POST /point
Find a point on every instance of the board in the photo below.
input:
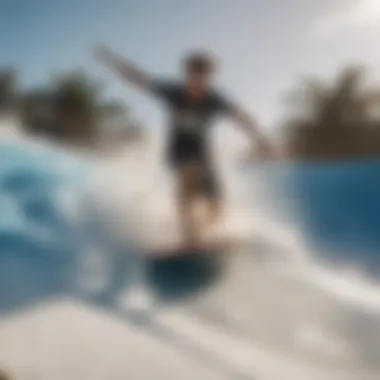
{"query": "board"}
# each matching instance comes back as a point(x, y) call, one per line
point(199, 249)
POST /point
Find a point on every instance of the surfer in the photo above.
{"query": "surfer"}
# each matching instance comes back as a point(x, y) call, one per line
point(192, 104)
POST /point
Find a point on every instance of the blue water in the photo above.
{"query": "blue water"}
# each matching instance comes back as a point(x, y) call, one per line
point(40, 245)
point(339, 209)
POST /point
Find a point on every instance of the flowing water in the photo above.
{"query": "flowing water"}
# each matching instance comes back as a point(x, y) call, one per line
point(300, 298)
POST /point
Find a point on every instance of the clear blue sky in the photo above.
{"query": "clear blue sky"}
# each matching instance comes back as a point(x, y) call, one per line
point(264, 45)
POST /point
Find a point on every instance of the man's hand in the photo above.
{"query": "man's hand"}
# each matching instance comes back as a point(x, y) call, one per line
point(102, 53)
point(263, 149)
point(260, 151)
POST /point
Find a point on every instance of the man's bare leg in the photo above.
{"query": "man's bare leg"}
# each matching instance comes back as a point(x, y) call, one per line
point(187, 197)
point(212, 212)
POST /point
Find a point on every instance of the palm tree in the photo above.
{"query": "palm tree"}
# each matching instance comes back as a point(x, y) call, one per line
point(71, 108)
point(78, 101)
point(37, 113)
point(334, 121)
point(82, 108)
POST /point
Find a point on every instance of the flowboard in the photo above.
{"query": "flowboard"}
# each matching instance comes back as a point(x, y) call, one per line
point(199, 249)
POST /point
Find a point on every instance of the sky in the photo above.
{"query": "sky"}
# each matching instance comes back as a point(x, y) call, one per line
point(265, 47)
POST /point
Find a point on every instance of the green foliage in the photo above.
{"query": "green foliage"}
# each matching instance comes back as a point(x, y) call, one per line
point(8, 87)
point(77, 94)
point(70, 107)
point(334, 121)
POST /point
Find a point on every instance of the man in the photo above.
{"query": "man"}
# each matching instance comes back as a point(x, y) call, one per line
point(192, 104)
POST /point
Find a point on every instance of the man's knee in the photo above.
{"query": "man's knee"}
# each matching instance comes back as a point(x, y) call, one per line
point(188, 178)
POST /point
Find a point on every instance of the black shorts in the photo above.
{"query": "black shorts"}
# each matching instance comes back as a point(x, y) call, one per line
point(184, 151)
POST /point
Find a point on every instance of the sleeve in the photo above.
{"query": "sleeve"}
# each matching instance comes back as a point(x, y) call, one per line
point(224, 105)
point(163, 89)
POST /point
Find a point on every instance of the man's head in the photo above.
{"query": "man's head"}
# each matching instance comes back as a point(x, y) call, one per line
point(199, 69)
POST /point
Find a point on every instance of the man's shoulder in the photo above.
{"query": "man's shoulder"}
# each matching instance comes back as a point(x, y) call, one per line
point(170, 83)
point(220, 101)
point(168, 88)
point(217, 93)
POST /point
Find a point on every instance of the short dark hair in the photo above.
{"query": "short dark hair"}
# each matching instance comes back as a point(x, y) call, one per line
point(199, 61)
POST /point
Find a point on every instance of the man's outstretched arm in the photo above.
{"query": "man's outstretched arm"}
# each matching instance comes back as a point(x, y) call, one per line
point(249, 126)
point(125, 69)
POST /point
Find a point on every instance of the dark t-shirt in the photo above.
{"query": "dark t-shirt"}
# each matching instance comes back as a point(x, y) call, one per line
point(190, 119)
